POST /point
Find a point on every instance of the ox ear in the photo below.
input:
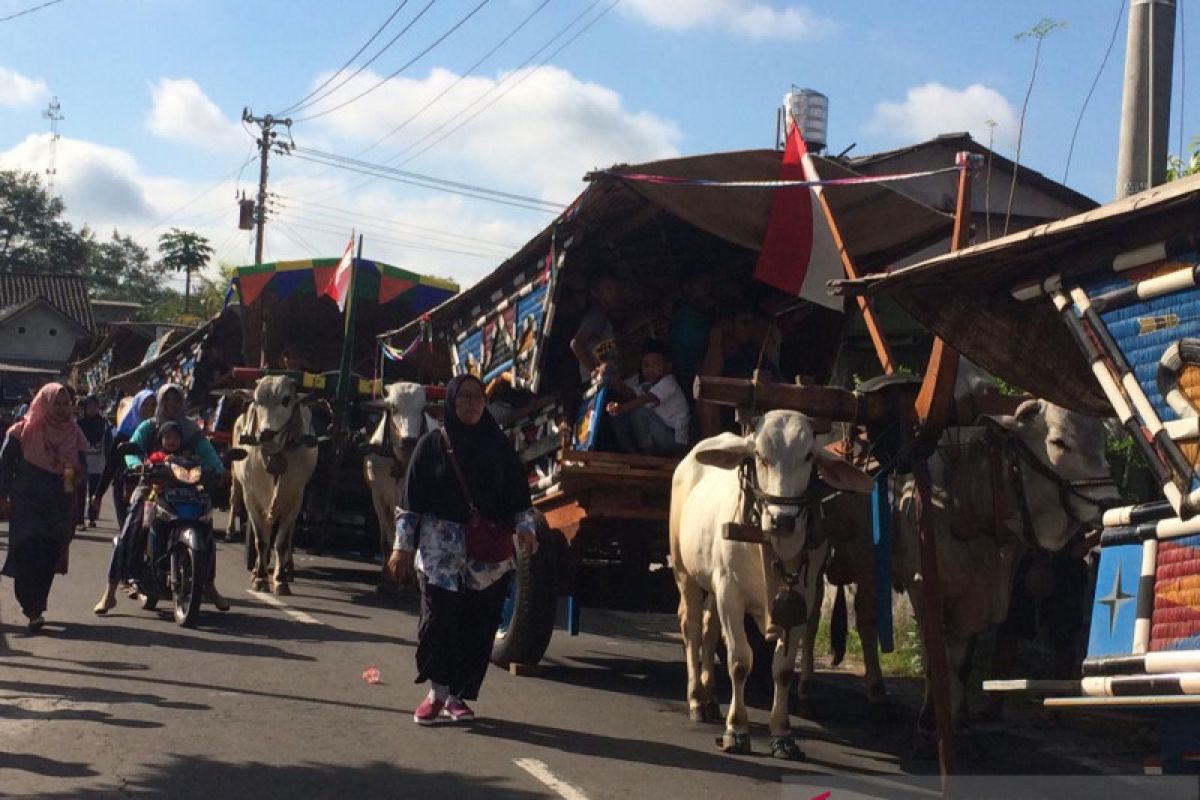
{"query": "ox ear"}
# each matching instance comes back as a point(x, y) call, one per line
point(1024, 413)
point(725, 451)
point(841, 474)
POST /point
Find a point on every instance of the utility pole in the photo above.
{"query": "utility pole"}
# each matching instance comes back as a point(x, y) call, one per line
point(1146, 100)
point(266, 140)
point(53, 113)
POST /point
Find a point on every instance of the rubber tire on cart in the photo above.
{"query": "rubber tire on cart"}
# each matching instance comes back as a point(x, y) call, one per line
point(527, 622)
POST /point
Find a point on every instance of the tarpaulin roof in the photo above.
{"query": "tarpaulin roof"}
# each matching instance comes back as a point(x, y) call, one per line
point(375, 281)
point(964, 297)
point(878, 223)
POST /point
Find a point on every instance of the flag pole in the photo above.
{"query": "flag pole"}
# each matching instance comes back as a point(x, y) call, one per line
point(341, 399)
point(882, 351)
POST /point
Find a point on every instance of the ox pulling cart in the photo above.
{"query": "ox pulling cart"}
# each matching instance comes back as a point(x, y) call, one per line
point(1099, 312)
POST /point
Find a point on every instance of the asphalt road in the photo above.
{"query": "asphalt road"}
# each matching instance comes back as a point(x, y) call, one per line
point(268, 701)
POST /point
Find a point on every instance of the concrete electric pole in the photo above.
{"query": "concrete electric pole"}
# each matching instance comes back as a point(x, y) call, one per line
point(1146, 101)
point(266, 140)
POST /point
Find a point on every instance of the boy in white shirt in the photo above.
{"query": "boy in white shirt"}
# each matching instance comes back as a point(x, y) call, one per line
point(652, 416)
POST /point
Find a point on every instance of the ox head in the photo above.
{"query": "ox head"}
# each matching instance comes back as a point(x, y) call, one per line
point(779, 455)
point(1065, 474)
point(404, 407)
point(280, 417)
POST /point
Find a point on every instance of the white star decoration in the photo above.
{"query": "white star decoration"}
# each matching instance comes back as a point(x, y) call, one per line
point(1114, 600)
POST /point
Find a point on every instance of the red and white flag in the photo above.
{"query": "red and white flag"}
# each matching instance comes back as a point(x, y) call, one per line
point(339, 285)
point(799, 253)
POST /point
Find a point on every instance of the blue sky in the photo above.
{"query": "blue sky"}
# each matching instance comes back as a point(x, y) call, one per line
point(152, 90)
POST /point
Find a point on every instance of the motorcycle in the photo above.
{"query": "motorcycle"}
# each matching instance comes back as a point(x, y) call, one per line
point(179, 554)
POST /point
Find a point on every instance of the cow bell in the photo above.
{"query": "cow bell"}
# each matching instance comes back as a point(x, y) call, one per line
point(277, 464)
point(788, 609)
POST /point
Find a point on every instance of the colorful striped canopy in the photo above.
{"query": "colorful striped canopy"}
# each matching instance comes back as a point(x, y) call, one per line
point(374, 281)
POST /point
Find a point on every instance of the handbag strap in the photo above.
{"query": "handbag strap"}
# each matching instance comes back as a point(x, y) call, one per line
point(462, 482)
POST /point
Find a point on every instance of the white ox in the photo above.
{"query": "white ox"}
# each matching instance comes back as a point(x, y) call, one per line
point(276, 432)
point(389, 450)
point(739, 578)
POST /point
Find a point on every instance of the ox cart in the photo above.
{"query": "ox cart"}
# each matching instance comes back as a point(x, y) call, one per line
point(607, 511)
point(1098, 312)
point(290, 325)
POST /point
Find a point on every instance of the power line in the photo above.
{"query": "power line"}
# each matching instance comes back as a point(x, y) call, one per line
point(286, 201)
point(1096, 80)
point(515, 84)
point(397, 236)
point(328, 227)
point(426, 181)
point(370, 60)
point(350, 61)
point(411, 61)
point(29, 10)
point(195, 199)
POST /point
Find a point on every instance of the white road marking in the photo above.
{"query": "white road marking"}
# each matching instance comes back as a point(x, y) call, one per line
point(539, 770)
point(272, 600)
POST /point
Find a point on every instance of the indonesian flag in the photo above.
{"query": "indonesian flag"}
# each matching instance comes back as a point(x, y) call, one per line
point(339, 285)
point(799, 253)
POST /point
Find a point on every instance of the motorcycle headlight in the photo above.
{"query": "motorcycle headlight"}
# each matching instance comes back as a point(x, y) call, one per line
point(188, 475)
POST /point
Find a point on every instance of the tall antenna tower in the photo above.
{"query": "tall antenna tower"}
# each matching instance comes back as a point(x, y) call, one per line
point(53, 113)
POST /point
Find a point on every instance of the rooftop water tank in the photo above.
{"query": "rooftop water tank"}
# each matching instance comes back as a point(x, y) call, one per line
point(810, 110)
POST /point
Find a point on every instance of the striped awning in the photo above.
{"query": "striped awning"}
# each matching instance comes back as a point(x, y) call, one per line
point(374, 281)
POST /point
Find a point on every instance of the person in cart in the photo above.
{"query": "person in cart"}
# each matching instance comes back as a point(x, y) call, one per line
point(650, 415)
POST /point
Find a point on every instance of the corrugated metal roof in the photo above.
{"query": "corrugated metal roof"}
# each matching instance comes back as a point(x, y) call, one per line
point(66, 292)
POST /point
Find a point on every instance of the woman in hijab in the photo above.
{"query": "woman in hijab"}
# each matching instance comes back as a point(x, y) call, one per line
point(99, 437)
point(146, 438)
point(143, 407)
point(461, 597)
point(41, 460)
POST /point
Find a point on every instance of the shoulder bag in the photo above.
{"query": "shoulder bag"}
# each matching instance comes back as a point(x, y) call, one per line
point(487, 541)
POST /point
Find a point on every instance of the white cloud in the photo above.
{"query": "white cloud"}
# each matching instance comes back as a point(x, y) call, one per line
point(16, 90)
point(744, 17)
point(182, 112)
point(934, 109)
point(540, 139)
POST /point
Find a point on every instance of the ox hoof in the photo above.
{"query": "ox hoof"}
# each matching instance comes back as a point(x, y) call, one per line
point(281, 587)
point(736, 742)
point(785, 747)
point(881, 711)
point(708, 711)
point(258, 584)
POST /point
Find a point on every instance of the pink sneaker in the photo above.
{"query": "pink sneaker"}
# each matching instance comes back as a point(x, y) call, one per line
point(457, 710)
point(427, 713)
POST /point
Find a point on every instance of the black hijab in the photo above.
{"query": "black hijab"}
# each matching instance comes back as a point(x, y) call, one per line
point(496, 479)
point(93, 427)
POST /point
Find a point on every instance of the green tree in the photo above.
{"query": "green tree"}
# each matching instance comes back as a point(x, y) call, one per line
point(183, 251)
point(33, 235)
point(120, 269)
point(1178, 167)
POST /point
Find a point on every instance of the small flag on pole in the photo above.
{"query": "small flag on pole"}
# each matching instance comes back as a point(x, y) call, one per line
point(799, 253)
point(339, 285)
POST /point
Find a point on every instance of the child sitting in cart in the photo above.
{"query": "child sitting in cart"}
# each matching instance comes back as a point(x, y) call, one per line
point(650, 415)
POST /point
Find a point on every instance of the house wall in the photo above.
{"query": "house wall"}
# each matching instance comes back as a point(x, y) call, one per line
point(39, 335)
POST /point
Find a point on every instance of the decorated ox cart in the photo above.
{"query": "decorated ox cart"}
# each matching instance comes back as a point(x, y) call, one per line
point(292, 325)
point(1098, 312)
point(654, 228)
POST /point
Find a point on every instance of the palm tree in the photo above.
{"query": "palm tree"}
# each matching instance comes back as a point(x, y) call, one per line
point(184, 251)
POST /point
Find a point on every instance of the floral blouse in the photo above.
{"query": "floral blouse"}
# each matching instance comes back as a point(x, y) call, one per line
point(442, 551)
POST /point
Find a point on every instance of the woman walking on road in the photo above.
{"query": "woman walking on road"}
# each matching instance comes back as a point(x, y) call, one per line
point(41, 466)
point(99, 437)
point(459, 537)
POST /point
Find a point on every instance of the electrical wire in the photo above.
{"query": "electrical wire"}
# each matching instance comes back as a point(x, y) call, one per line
point(524, 77)
point(369, 61)
point(29, 10)
point(349, 61)
point(296, 238)
point(198, 197)
point(1103, 63)
point(426, 181)
point(408, 64)
point(466, 74)
point(327, 227)
point(286, 202)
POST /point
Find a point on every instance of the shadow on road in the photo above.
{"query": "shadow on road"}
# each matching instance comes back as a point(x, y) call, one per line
point(206, 778)
point(26, 762)
point(92, 694)
point(160, 633)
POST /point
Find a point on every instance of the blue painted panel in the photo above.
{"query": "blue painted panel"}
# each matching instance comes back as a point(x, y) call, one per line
point(1114, 607)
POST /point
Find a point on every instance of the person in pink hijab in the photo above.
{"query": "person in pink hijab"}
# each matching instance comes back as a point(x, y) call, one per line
point(41, 464)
